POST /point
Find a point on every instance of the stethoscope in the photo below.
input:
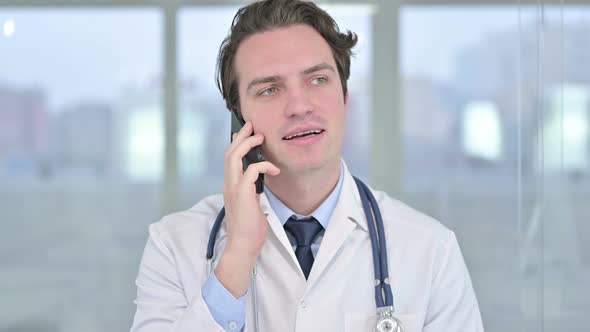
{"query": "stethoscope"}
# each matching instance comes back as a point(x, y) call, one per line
point(386, 321)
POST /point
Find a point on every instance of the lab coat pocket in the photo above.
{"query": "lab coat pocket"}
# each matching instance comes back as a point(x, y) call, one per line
point(362, 322)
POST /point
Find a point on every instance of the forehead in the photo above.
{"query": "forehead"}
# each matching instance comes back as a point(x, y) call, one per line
point(282, 51)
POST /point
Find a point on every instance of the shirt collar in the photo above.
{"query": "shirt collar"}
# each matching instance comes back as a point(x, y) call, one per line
point(322, 214)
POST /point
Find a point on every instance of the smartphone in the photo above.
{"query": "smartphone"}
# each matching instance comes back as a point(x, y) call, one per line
point(254, 155)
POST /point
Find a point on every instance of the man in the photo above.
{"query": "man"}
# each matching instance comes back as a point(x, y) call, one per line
point(284, 68)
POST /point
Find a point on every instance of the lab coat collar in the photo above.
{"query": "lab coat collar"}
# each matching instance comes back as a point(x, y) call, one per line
point(349, 200)
point(322, 214)
point(346, 216)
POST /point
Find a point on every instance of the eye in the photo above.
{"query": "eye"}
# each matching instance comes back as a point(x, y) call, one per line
point(319, 80)
point(268, 91)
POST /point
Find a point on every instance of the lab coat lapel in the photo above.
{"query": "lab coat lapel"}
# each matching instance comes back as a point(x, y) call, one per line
point(346, 216)
point(278, 231)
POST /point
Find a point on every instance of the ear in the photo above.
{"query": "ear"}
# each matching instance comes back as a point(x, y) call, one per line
point(346, 98)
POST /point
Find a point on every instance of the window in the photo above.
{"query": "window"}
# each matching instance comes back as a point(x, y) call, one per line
point(496, 145)
point(80, 163)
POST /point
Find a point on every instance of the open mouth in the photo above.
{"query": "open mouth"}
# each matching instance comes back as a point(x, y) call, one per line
point(304, 134)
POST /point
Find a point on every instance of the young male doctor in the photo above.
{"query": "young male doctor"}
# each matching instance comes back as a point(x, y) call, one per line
point(284, 66)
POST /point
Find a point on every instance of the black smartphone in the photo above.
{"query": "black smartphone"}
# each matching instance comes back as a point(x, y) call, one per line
point(254, 155)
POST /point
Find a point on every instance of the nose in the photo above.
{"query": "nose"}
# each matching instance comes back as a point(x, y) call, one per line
point(299, 102)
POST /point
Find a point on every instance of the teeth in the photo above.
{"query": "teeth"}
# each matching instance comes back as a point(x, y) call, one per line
point(303, 134)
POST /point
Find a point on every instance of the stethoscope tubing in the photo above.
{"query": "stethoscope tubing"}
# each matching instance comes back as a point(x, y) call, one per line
point(383, 292)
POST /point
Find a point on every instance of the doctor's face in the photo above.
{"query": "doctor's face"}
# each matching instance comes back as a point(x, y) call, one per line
point(290, 89)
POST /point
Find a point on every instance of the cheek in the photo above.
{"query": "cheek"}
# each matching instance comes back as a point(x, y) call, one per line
point(333, 107)
point(264, 122)
point(256, 113)
point(331, 98)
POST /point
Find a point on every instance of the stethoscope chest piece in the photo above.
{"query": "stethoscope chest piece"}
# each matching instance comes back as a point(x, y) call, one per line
point(386, 322)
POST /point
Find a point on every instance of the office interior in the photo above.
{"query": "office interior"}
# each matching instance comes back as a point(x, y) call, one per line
point(475, 112)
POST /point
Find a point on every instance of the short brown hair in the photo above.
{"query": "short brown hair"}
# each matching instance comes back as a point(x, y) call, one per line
point(266, 15)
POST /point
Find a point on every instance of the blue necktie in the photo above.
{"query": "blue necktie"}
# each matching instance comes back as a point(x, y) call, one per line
point(304, 231)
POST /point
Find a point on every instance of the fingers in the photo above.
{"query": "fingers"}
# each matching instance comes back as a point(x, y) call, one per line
point(264, 167)
point(233, 160)
point(233, 168)
point(245, 146)
point(238, 137)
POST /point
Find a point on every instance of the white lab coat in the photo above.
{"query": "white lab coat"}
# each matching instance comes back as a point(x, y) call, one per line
point(431, 286)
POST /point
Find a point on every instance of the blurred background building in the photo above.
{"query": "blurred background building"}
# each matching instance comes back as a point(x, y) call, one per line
point(476, 112)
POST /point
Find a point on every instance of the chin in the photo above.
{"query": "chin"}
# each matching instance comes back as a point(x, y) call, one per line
point(303, 164)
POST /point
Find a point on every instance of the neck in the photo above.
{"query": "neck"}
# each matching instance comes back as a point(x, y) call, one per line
point(304, 192)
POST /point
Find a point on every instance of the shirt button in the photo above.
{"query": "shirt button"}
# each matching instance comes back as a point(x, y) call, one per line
point(233, 325)
point(302, 305)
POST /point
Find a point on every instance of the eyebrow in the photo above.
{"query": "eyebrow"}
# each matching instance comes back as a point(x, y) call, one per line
point(276, 78)
point(262, 80)
point(319, 67)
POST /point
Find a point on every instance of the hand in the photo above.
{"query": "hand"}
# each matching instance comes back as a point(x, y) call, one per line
point(246, 223)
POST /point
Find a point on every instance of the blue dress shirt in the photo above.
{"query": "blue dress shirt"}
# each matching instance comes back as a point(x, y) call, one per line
point(230, 312)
